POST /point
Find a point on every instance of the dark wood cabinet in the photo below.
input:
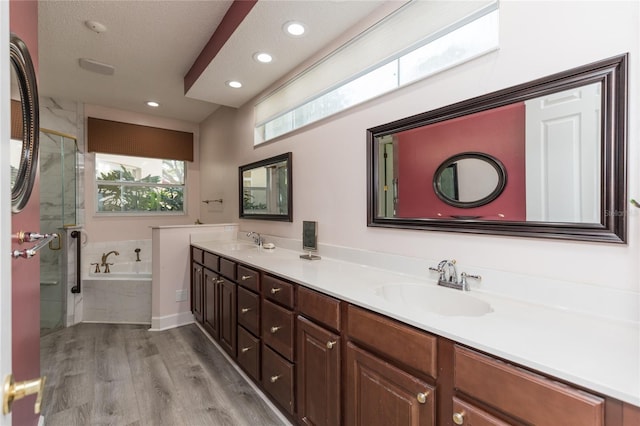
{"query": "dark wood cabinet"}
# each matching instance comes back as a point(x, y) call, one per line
point(197, 291)
point(211, 303)
point(277, 378)
point(228, 321)
point(318, 374)
point(249, 353)
point(378, 393)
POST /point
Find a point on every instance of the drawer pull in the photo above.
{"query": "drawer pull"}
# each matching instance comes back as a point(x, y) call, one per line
point(244, 310)
point(218, 281)
point(274, 379)
point(331, 344)
point(245, 350)
point(422, 397)
point(275, 290)
point(246, 277)
point(458, 418)
point(274, 329)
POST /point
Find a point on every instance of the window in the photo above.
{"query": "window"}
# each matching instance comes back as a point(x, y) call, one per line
point(461, 39)
point(138, 185)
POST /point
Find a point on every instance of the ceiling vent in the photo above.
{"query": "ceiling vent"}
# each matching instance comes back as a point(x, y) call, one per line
point(95, 66)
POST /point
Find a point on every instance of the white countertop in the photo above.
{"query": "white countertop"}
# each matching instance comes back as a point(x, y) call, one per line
point(598, 354)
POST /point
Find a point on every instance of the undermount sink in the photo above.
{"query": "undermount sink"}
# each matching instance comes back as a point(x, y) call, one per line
point(438, 300)
point(240, 246)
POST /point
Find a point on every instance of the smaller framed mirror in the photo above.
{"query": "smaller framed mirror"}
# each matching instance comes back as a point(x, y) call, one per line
point(25, 124)
point(266, 190)
point(470, 179)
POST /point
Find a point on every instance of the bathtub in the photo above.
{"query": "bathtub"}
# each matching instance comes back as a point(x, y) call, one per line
point(123, 296)
point(123, 271)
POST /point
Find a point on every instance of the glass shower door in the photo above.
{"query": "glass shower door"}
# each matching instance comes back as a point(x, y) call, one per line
point(58, 185)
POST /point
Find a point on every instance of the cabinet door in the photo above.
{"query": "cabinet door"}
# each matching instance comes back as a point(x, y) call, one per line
point(381, 394)
point(318, 364)
point(228, 321)
point(197, 290)
point(211, 304)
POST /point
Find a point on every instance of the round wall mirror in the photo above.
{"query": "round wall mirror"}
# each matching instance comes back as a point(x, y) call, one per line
point(470, 179)
point(25, 124)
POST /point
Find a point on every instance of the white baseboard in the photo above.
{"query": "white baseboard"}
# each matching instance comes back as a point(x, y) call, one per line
point(171, 321)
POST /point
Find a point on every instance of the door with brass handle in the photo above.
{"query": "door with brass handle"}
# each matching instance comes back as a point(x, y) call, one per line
point(13, 391)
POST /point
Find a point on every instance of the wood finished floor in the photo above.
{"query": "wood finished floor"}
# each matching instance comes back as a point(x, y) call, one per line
point(106, 374)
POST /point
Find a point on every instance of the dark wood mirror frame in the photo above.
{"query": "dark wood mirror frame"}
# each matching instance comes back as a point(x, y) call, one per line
point(285, 217)
point(612, 74)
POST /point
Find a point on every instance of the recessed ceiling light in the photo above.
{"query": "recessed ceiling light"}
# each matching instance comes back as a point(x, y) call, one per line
point(293, 28)
point(234, 84)
point(263, 57)
point(153, 104)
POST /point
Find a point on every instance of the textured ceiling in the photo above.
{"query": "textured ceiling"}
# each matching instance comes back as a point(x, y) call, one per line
point(152, 45)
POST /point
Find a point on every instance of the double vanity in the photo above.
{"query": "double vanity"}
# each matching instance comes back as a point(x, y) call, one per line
point(332, 342)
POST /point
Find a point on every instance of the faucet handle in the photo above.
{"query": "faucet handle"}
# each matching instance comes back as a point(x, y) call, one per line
point(463, 279)
point(97, 270)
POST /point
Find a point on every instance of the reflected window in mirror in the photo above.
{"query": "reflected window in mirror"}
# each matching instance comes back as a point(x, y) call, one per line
point(265, 189)
point(553, 151)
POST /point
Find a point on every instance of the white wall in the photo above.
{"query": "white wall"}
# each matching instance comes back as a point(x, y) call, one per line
point(138, 227)
point(329, 167)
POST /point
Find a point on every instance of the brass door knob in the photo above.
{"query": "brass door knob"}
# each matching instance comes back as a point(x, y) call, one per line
point(275, 290)
point(274, 329)
point(422, 397)
point(331, 344)
point(244, 350)
point(458, 418)
point(245, 277)
point(244, 310)
point(13, 391)
point(274, 379)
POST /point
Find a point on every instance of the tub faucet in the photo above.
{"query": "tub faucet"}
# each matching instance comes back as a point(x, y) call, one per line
point(104, 260)
point(256, 238)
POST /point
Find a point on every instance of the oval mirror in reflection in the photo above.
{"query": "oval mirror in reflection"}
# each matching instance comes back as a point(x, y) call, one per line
point(25, 124)
point(470, 179)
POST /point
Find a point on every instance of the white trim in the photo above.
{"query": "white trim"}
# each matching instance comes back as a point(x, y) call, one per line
point(171, 321)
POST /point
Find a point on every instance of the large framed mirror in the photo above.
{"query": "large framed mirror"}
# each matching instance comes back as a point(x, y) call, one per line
point(542, 159)
point(266, 190)
point(25, 125)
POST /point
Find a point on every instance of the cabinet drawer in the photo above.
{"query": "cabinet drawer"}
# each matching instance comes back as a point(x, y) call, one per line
point(277, 290)
point(277, 328)
point(249, 278)
point(249, 353)
point(211, 261)
point(196, 254)
point(277, 378)
point(228, 268)
point(519, 393)
point(249, 310)
point(468, 414)
point(415, 349)
point(319, 307)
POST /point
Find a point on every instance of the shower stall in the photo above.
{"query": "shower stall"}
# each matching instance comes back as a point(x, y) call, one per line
point(58, 207)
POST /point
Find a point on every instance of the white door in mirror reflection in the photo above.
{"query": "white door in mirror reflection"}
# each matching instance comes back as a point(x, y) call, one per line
point(563, 156)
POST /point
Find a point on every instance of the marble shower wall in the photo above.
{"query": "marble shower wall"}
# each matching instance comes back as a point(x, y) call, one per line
point(62, 205)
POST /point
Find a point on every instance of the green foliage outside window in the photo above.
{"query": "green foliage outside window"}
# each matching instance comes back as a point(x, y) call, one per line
point(137, 195)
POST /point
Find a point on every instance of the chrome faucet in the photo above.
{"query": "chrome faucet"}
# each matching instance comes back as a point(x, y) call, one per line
point(104, 260)
point(449, 275)
point(256, 238)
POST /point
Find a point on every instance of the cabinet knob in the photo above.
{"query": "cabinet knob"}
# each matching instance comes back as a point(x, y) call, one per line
point(245, 350)
point(331, 344)
point(244, 310)
point(422, 397)
point(458, 418)
point(275, 290)
point(274, 379)
point(245, 277)
point(218, 281)
point(274, 329)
